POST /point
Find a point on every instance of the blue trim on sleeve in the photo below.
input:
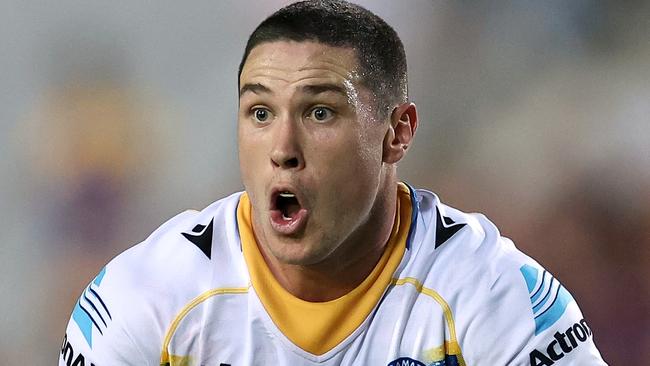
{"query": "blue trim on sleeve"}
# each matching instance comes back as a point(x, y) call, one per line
point(560, 298)
point(85, 318)
point(545, 298)
point(100, 277)
point(539, 291)
point(530, 276)
point(84, 323)
point(554, 312)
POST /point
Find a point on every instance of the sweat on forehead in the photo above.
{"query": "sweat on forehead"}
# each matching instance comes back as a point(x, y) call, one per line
point(306, 68)
point(381, 56)
point(295, 60)
point(309, 68)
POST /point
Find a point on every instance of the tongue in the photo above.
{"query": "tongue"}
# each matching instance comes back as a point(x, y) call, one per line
point(289, 208)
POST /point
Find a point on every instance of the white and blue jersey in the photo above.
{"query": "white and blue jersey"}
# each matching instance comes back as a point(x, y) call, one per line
point(448, 290)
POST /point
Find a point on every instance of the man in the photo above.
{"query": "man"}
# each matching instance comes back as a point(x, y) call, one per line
point(326, 259)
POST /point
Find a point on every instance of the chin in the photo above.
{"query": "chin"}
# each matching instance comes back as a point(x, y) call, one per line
point(296, 252)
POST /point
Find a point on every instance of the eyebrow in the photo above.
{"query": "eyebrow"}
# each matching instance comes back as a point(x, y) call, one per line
point(254, 88)
point(315, 89)
point(324, 88)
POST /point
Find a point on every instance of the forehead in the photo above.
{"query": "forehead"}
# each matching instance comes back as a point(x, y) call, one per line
point(294, 62)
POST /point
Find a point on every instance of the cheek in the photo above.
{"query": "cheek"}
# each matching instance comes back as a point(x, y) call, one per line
point(248, 160)
point(361, 154)
point(353, 145)
point(348, 165)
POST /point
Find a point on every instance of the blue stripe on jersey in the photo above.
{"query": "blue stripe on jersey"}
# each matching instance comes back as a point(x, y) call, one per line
point(100, 276)
point(84, 323)
point(101, 301)
point(559, 298)
point(547, 295)
point(85, 296)
point(554, 312)
point(83, 317)
point(530, 276)
point(539, 291)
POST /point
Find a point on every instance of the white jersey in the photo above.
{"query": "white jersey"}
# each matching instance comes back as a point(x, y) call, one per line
point(449, 290)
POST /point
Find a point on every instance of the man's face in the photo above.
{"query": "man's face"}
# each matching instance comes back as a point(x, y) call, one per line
point(310, 149)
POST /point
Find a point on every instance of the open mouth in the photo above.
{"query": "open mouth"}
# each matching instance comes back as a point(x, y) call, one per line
point(288, 215)
point(288, 205)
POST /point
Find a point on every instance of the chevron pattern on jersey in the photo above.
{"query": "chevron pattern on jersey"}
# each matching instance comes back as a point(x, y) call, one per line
point(91, 311)
point(548, 298)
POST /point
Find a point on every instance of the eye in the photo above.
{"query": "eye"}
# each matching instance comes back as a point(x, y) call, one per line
point(321, 114)
point(261, 115)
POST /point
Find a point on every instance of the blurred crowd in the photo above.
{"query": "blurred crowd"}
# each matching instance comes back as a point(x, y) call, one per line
point(117, 117)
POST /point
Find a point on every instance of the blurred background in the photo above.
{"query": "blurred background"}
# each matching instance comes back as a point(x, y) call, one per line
point(115, 116)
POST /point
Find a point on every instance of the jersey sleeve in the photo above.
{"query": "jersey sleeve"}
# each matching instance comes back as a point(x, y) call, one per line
point(98, 330)
point(122, 317)
point(528, 318)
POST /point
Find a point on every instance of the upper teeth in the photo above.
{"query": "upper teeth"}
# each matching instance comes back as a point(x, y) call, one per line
point(287, 195)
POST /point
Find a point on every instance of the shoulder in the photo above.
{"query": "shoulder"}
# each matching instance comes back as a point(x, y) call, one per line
point(135, 297)
point(179, 258)
point(464, 258)
point(443, 237)
point(183, 251)
point(500, 297)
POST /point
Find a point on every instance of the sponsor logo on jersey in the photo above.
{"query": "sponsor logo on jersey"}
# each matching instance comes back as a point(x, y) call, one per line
point(548, 298)
point(68, 354)
point(201, 236)
point(445, 228)
point(561, 344)
point(406, 361)
point(91, 312)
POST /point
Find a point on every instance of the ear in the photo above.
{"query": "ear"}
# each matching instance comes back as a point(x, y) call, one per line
point(398, 138)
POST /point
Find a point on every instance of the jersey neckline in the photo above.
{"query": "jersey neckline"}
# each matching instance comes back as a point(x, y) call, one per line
point(318, 327)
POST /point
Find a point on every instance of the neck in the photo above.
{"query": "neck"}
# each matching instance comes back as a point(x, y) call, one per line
point(349, 264)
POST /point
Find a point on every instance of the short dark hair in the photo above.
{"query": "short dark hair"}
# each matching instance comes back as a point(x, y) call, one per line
point(379, 50)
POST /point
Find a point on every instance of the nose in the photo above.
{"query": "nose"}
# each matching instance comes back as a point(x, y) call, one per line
point(286, 151)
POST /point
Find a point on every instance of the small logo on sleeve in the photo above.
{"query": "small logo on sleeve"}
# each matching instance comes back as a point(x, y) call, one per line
point(561, 344)
point(91, 311)
point(68, 355)
point(548, 298)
